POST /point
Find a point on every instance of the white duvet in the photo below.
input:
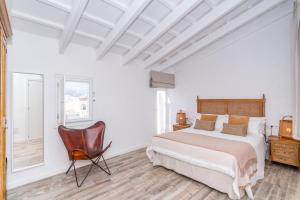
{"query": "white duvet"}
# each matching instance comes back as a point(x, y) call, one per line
point(210, 159)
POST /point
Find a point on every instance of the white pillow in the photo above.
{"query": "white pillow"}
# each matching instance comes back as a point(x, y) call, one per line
point(219, 123)
point(256, 125)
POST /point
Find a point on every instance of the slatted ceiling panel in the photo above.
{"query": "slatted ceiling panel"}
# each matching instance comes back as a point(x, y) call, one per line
point(104, 11)
point(200, 11)
point(141, 27)
point(128, 40)
point(200, 36)
point(181, 26)
point(35, 28)
point(118, 50)
point(156, 11)
point(39, 10)
point(85, 41)
point(92, 28)
point(254, 2)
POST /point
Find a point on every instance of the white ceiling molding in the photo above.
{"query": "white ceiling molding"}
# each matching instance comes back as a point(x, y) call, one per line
point(244, 18)
point(117, 4)
point(174, 17)
point(87, 16)
point(50, 24)
point(211, 17)
point(169, 4)
point(129, 16)
point(57, 4)
point(148, 20)
point(73, 20)
point(30, 18)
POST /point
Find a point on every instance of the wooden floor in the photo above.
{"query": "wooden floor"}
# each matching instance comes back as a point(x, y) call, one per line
point(28, 153)
point(134, 177)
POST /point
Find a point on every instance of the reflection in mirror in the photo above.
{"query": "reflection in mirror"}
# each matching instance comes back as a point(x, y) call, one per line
point(28, 120)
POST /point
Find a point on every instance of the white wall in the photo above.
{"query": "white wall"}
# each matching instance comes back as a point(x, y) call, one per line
point(123, 99)
point(254, 60)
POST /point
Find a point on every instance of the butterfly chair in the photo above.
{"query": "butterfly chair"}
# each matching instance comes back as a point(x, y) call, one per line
point(85, 144)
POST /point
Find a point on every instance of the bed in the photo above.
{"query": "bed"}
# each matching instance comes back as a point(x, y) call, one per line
point(186, 152)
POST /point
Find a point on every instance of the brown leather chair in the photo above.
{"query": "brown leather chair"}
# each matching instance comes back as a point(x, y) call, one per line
point(85, 144)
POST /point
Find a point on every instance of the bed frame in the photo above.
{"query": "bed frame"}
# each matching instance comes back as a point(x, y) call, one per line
point(246, 107)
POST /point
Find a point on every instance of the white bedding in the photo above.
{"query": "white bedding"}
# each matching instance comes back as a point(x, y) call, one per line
point(210, 159)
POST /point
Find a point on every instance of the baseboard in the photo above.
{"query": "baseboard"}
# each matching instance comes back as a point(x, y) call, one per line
point(17, 183)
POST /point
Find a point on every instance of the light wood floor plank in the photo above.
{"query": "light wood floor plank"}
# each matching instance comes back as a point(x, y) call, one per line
point(134, 177)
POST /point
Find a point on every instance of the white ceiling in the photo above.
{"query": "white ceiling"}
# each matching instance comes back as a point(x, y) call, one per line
point(156, 32)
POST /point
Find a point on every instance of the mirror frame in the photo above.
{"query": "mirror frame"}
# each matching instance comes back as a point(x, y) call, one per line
point(12, 123)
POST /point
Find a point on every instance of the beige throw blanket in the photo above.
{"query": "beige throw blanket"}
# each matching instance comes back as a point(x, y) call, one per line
point(243, 152)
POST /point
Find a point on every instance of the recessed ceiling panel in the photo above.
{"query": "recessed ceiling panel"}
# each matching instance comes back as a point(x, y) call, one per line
point(166, 38)
point(176, 2)
point(153, 48)
point(156, 10)
point(118, 50)
point(140, 27)
point(40, 10)
point(181, 26)
point(35, 28)
point(104, 11)
point(200, 11)
point(92, 28)
point(143, 56)
point(128, 40)
point(85, 41)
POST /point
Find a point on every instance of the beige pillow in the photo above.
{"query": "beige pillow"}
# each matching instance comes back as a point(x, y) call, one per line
point(236, 119)
point(205, 125)
point(235, 129)
point(209, 117)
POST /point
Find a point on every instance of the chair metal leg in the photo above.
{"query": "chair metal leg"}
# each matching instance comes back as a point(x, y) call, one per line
point(94, 162)
point(73, 162)
point(106, 165)
point(79, 185)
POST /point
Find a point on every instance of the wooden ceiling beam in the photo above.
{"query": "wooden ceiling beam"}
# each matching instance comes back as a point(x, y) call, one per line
point(244, 18)
point(211, 17)
point(71, 25)
point(174, 17)
point(122, 25)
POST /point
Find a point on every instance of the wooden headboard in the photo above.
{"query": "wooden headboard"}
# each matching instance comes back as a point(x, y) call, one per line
point(246, 107)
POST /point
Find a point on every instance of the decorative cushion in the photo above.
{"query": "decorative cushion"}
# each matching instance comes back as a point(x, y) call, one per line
point(204, 125)
point(235, 129)
point(238, 120)
point(209, 117)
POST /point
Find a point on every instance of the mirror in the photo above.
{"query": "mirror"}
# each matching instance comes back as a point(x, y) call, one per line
point(28, 120)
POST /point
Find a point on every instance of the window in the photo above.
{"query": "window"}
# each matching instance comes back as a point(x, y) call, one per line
point(75, 99)
point(162, 104)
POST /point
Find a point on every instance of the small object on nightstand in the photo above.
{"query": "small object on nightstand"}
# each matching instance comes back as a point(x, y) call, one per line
point(286, 127)
point(284, 151)
point(181, 118)
point(177, 127)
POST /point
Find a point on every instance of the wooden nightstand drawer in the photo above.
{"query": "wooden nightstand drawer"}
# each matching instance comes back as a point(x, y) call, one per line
point(285, 151)
point(286, 160)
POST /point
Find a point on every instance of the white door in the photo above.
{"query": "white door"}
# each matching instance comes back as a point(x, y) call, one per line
point(35, 109)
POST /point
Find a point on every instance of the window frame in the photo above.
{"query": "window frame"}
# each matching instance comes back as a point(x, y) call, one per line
point(61, 83)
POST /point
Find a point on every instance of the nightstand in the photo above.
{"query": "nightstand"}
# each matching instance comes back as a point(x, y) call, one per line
point(177, 127)
point(285, 151)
